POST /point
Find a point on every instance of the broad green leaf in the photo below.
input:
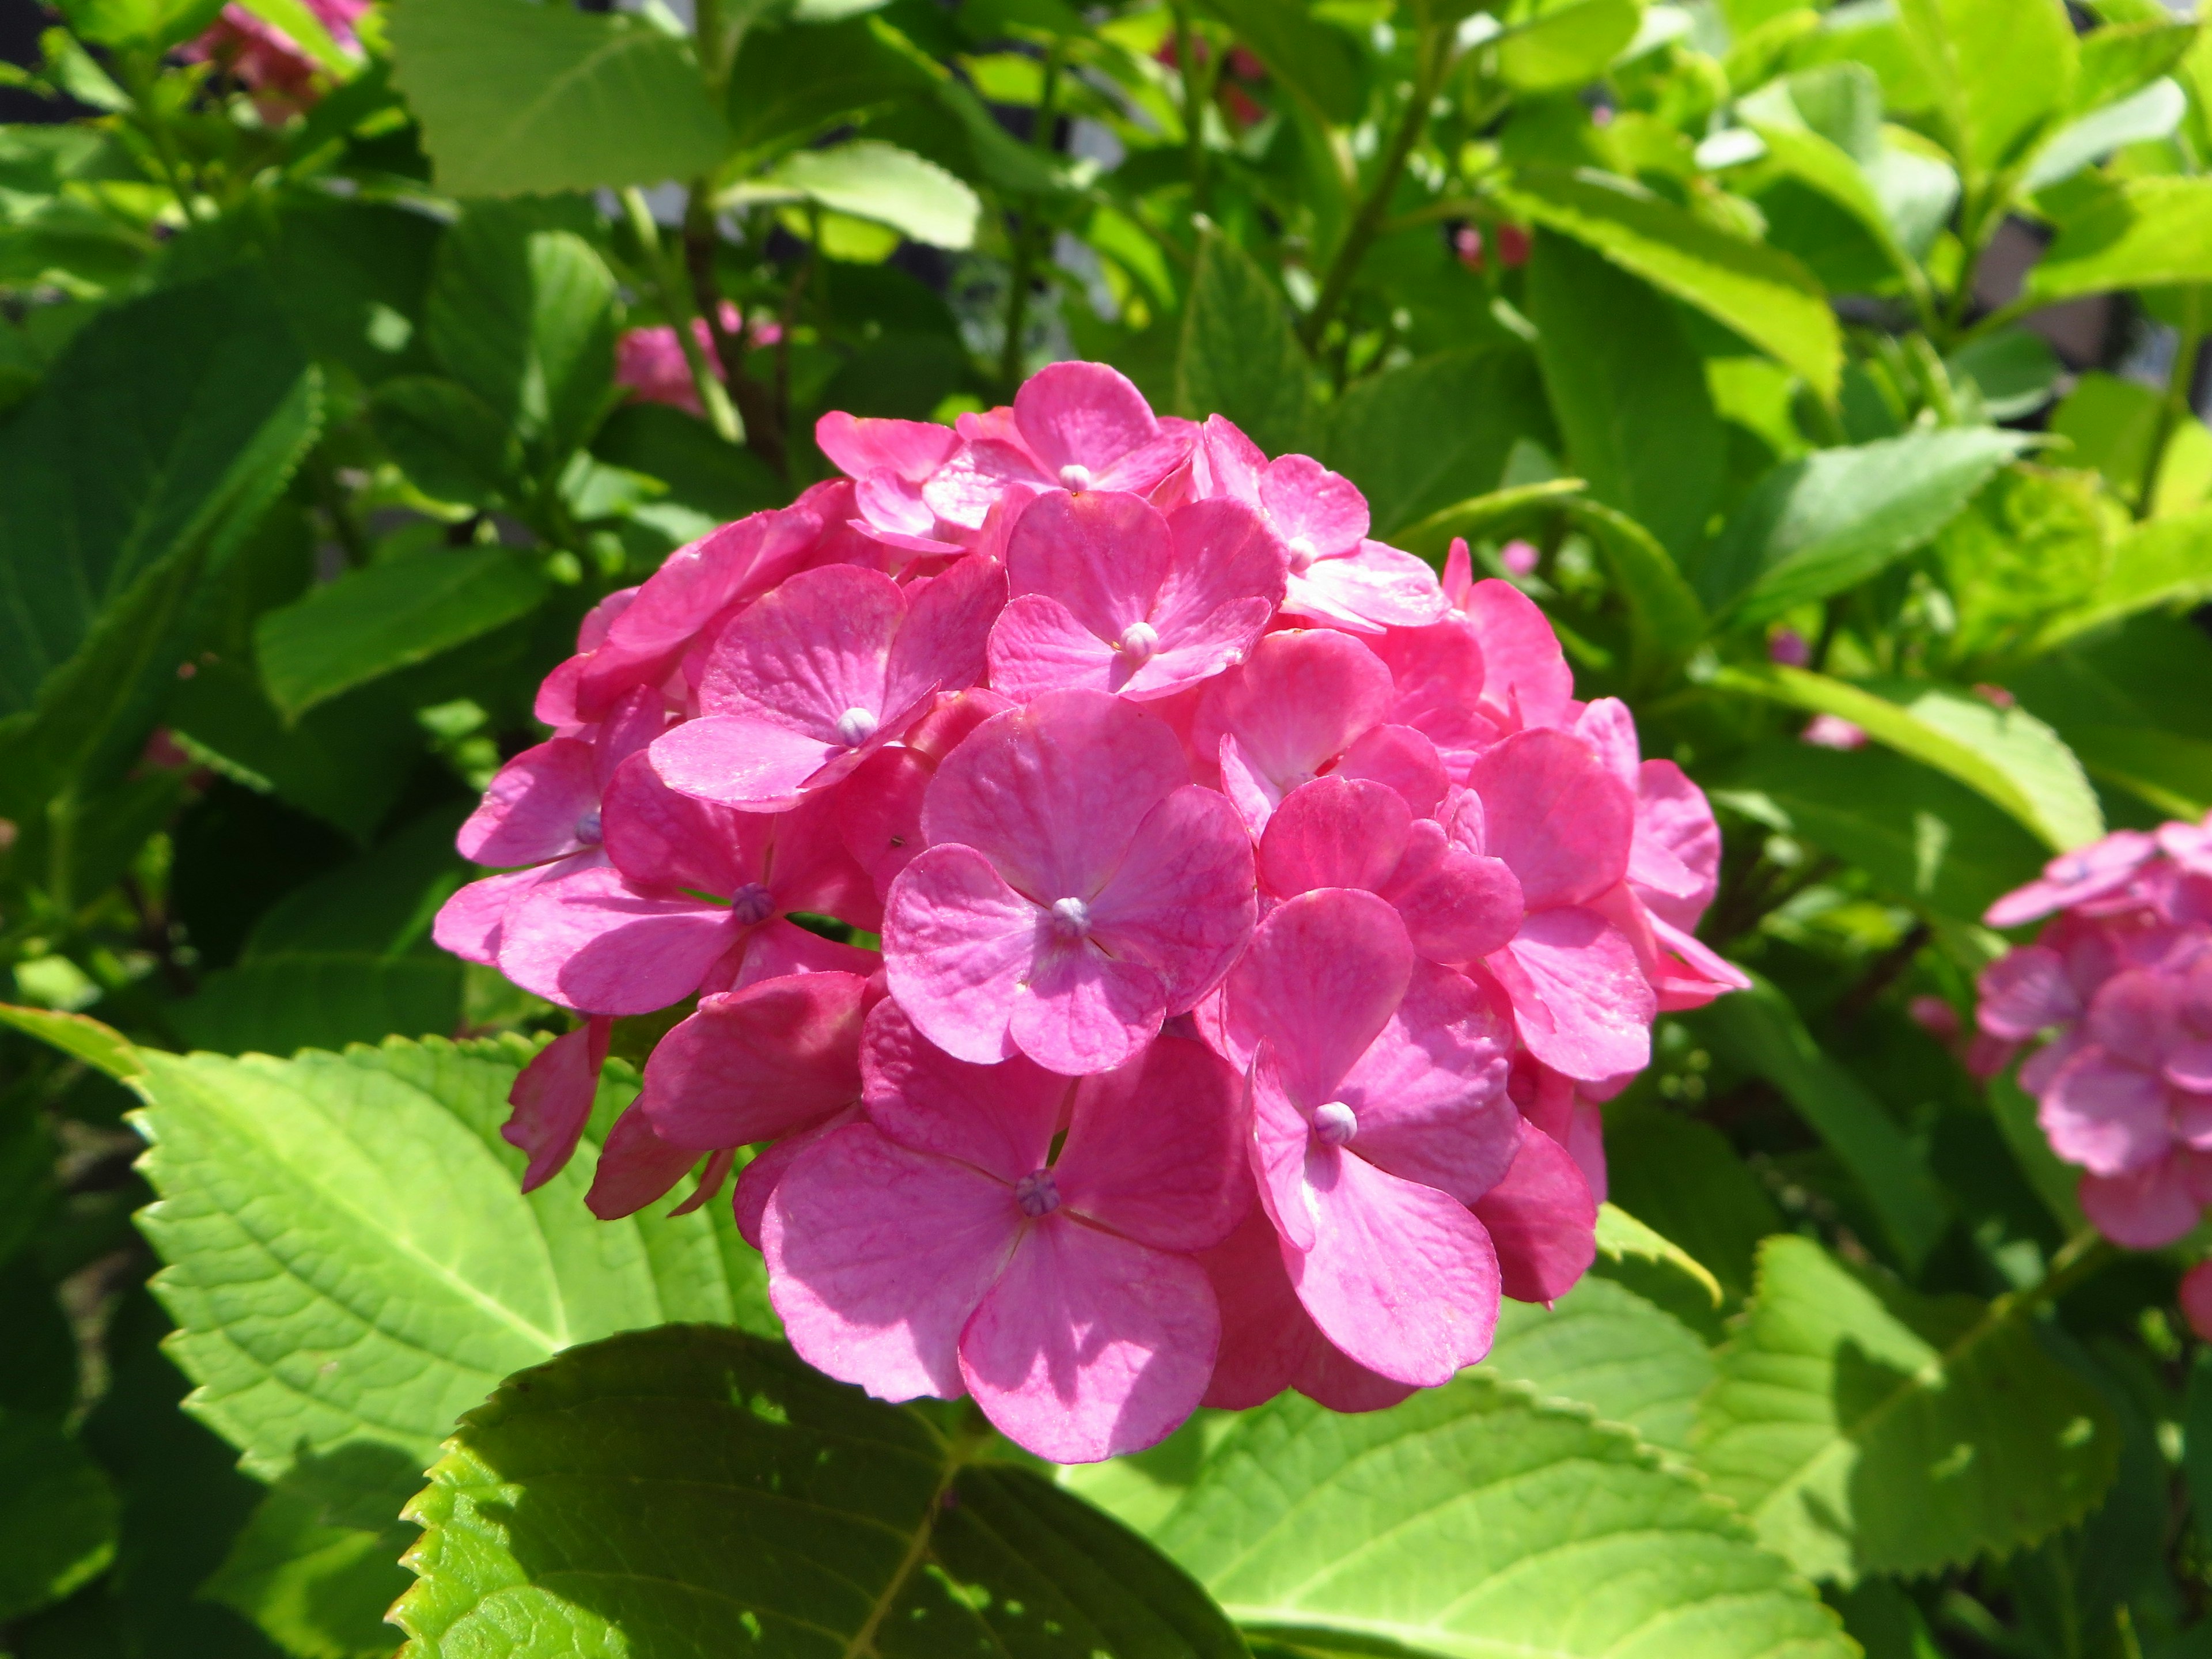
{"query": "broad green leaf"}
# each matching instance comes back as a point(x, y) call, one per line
point(1764, 296)
point(2174, 774)
point(792, 83)
point(2121, 59)
point(1827, 522)
point(1761, 1032)
point(316, 1587)
point(1864, 1429)
point(300, 24)
point(1313, 61)
point(385, 616)
point(1239, 356)
point(1480, 516)
point(1604, 1346)
point(163, 432)
point(339, 1305)
point(157, 23)
point(2056, 1182)
point(2033, 545)
point(2164, 563)
point(2154, 112)
point(28, 1160)
point(876, 181)
point(2112, 424)
point(56, 1515)
point(2141, 233)
point(80, 1037)
point(2014, 371)
point(690, 1493)
point(1567, 43)
point(447, 440)
point(2003, 70)
point(1816, 162)
point(1139, 1489)
point(1665, 621)
point(1419, 439)
point(523, 314)
point(1923, 837)
point(516, 98)
point(1630, 398)
point(1683, 1177)
point(1474, 1521)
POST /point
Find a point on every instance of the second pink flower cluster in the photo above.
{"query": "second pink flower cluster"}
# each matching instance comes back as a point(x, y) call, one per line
point(1259, 918)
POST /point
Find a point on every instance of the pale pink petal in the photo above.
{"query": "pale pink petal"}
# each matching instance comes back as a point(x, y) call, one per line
point(909, 449)
point(1673, 814)
point(2143, 1209)
point(2107, 1116)
point(468, 924)
point(1317, 986)
point(660, 838)
point(1554, 813)
point(1404, 760)
point(1091, 1346)
point(591, 943)
point(749, 1200)
point(1334, 832)
point(1580, 1001)
point(1369, 589)
point(542, 804)
point(1155, 1150)
point(1457, 906)
point(635, 1167)
point(1084, 415)
point(1103, 555)
point(1000, 1119)
point(1428, 1095)
point(552, 1101)
point(1542, 1221)
point(1316, 511)
point(878, 1256)
point(2025, 992)
point(1082, 1011)
point(1692, 974)
point(1181, 903)
point(2076, 878)
point(957, 944)
point(1526, 679)
point(1037, 646)
point(755, 1064)
point(1400, 1277)
point(749, 762)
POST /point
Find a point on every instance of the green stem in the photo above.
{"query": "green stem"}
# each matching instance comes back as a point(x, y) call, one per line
point(2179, 383)
point(2080, 1257)
point(763, 429)
point(713, 396)
point(1197, 93)
point(1435, 56)
point(1027, 237)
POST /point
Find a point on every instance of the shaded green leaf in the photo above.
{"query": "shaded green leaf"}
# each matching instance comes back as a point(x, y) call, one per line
point(1313, 61)
point(1239, 356)
point(77, 1035)
point(689, 1492)
point(156, 23)
point(1684, 1178)
point(2141, 233)
point(1418, 439)
point(2167, 561)
point(790, 83)
point(56, 1515)
point(1480, 516)
point(1665, 621)
point(1865, 1429)
point(318, 1588)
point(448, 441)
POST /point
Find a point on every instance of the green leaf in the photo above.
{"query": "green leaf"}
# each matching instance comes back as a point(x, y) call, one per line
point(1604, 1346)
point(1631, 1251)
point(387, 616)
point(693, 1492)
point(1763, 295)
point(1473, 1520)
point(1567, 43)
point(872, 180)
point(523, 314)
point(1315, 63)
point(2056, 1182)
point(79, 1037)
point(792, 83)
point(1828, 520)
point(2164, 563)
point(2014, 370)
point(1684, 1177)
point(2003, 70)
point(318, 1588)
point(2174, 774)
point(2152, 113)
point(301, 25)
point(339, 1304)
point(57, 1515)
point(1630, 398)
point(518, 99)
point(1922, 836)
point(1420, 438)
point(157, 23)
point(2121, 60)
point(28, 1158)
point(2033, 545)
point(1761, 1032)
point(1864, 1429)
point(2113, 424)
point(1814, 161)
point(1480, 516)
point(2140, 233)
point(447, 440)
point(1239, 356)
point(1665, 621)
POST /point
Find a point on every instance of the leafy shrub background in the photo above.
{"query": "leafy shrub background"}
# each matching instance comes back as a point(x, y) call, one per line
point(314, 456)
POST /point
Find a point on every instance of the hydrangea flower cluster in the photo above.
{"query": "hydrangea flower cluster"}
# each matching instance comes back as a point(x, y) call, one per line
point(281, 74)
point(1261, 918)
point(2119, 982)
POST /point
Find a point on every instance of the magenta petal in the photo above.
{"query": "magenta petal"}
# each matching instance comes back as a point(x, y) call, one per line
point(589, 942)
point(1103, 555)
point(1181, 903)
point(1155, 1149)
point(2024, 992)
point(755, 1064)
point(1281, 1136)
point(1081, 413)
point(1542, 1221)
point(1296, 704)
point(909, 449)
point(636, 1167)
point(1526, 679)
point(661, 838)
point(810, 650)
point(1000, 1119)
point(777, 948)
point(1317, 511)
point(1223, 557)
point(746, 761)
point(1333, 832)
point(876, 1256)
point(1083, 1011)
point(1319, 982)
point(2134, 1014)
point(552, 1101)
point(1437, 673)
point(1091, 1346)
point(1580, 1000)
point(1458, 906)
point(2105, 1116)
point(958, 944)
point(1268, 1340)
point(1400, 1277)
point(941, 643)
point(469, 923)
point(542, 805)
point(879, 813)
point(2144, 1209)
point(1554, 813)
point(1037, 646)
point(1400, 758)
point(756, 1185)
point(1428, 1095)
point(1211, 646)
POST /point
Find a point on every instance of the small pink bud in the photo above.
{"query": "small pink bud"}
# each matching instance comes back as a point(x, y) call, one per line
point(1996, 695)
point(1519, 558)
point(1788, 647)
point(1832, 732)
point(1935, 1016)
point(1466, 245)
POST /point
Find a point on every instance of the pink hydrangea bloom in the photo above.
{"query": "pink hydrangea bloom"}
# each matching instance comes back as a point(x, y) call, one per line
point(280, 73)
point(1262, 918)
point(650, 362)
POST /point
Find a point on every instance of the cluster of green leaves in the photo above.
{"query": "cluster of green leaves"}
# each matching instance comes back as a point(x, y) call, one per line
point(312, 455)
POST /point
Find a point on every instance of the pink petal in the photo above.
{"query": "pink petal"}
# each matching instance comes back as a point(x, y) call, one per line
point(1000, 1119)
point(749, 761)
point(1370, 590)
point(1457, 906)
point(552, 1101)
point(757, 1182)
point(1438, 674)
point(1155, 1150)
point(661, 839)
point(1091, 1346)
point(1400, 1277)
point(2106, 1116)
point(2143, 1209)
point(1318, 984)
point(2136, 1014)
point(1181, 904)
point(957, 944)
point(1295, 705)
point(1333, 832)
point(1103, 555)
point(1674, 817)
point(1211, 646)
point(1082, 413)
point(636, 1167)
point(1542, 1220)
point(542, 804)
point(1581, 1003)
point(2189, 1065)
point(1552, 811)
point(469, 923)
point(1309, 504)
point(589, 942)
point(941, 643)
point(1146, 469)
point(2025, 992)
point(1404, 760)
point(1428, 1095)
point(1232, 464)
point(805, 654)
point(2076, 878)
point(1526, 679)
point(1223, 556)
point(1082, 1010)
point(633, 723)
point(1037, 646)
point(1692, 974)
point(755, 1064)
point(712, 1174)
point(1268, 1340)
point(978, 477)
point(879, 812)
point(777, 948)
point(878, 1256)
point(1281, 1135)
point(1586, 1145)
point(1053, 793)
point(909, 449)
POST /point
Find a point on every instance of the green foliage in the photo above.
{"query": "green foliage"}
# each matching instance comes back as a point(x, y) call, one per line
point(1239, 356)
point(57, 1515)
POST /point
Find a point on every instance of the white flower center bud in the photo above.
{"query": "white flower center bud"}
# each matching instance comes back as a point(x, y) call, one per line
point(752, 904)
point(1303, 554)
point(1075, 476)
point(1334, 1124)
point(1071, 917)
point(588, 828)
point(856, 725)
point(1139, 641)
point(1037, 1194)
